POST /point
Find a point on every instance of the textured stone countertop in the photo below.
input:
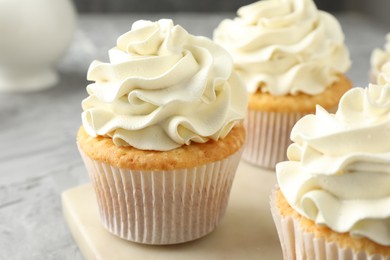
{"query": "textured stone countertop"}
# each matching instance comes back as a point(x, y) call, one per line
point(38, 155)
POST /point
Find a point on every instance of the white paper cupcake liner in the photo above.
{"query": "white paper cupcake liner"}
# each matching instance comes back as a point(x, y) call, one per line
point(299, 245)
point(162, 207)
point(268, 136)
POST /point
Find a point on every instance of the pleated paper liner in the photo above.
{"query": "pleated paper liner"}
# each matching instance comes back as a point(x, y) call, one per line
point(268, 136)
point(298, 244)
point(162, 207)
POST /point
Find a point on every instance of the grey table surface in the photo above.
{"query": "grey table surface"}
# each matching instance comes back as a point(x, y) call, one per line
point(38, 155)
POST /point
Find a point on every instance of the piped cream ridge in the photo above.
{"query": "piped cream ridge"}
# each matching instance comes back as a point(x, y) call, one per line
point(338, 173)
point(285, 47)
point(163, 88)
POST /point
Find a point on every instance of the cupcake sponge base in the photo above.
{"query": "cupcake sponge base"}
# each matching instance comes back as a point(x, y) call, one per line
point(162, 207)
point(166, 197)
point(270, 119)
point(301, 238)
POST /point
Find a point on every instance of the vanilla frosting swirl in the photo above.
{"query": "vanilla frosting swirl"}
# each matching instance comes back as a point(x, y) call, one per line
point(163, 88)
point(285, 47)
point(338, 173)
point(380, 63)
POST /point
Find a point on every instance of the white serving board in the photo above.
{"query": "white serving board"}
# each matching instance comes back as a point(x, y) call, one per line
point(246, 232)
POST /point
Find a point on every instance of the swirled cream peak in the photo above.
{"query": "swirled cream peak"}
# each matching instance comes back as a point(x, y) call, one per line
point(380, 63)
point(338, 173)
point(285, 47)
point(163, 88)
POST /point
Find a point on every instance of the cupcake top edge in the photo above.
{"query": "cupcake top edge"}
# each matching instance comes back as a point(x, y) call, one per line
point(285, 47)
point(338, 173)
point(163, 88)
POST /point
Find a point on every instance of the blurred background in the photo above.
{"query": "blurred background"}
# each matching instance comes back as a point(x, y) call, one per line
point(39, 158)
point(378, 9)
point(178, 5)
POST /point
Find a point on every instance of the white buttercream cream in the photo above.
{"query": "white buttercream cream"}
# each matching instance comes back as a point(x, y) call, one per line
point(285, 47)
point(380, 63)
point(339, 169)
point(163, 88)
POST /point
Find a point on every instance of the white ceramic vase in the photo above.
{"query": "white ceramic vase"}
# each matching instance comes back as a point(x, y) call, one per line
point(34, 34)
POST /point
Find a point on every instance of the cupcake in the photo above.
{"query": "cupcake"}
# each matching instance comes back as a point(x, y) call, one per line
point(333, 199)
point(162, 134)
point(380, 62)
point(291, 57)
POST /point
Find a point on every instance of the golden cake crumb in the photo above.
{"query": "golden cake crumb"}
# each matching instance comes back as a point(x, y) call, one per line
point(301, 103)
point(342, 239)
point(187, 156)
